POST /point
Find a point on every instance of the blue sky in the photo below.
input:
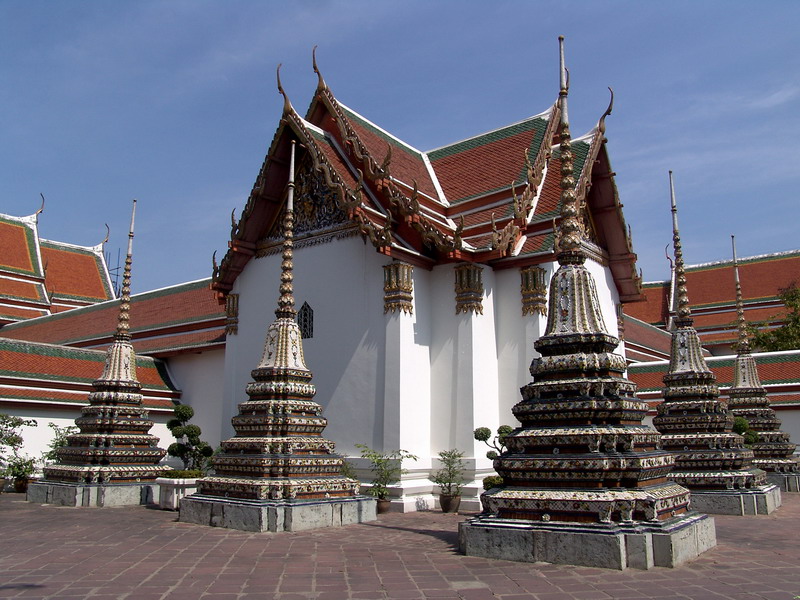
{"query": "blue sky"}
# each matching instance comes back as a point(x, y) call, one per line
point(174, 103)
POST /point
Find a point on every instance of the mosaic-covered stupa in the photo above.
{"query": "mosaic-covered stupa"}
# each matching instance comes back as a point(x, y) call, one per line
point(583, 477)
point(278, 472)
point(113, 457)
point(747, 398)
point(697, 427)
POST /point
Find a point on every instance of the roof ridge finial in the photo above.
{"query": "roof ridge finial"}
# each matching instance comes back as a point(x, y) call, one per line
point(287, 105)
point(601, 124)
point(684, 315)
point(744, 342)
point(286, 301)
point(570, 229)
point(123, 321)
point(321, 85)
point(40, 211)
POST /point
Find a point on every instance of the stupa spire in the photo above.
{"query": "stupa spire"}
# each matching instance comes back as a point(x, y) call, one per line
point(748, 399)
point(114, 445)
point(695, 425)
point(683, 313)
point(744, 341)
point(581, 461)
point(278, 472)
point(569, 236)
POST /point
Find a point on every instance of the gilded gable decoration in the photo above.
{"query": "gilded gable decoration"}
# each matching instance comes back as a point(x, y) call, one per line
point(232, 314)
point(469, 288)
point(534, 290)
point(398, 288)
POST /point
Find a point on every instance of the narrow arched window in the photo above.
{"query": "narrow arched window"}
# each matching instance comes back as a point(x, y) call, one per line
point(305, 320)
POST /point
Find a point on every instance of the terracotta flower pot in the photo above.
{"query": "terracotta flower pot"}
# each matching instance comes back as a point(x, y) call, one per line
point(383, 505)
point(21, 485)
point(449, 503)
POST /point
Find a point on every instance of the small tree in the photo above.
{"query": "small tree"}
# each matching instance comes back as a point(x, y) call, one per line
point(59, 440)
point(483, 434)
point(194, 452)
point(451, 476)
point(13, 463)
point(386, 468)
point(787, 336)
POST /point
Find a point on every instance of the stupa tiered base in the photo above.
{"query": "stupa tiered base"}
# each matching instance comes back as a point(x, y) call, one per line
point(276, 515)
point(92, 494)
point(639, 544)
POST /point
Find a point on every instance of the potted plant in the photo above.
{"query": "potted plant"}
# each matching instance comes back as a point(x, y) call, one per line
point(20, 469)
point(386, 470)
point(449, 479)
point(497, 447)
point(12, 464)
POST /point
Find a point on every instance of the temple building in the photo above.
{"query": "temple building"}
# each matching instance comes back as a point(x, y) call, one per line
point(421, 285)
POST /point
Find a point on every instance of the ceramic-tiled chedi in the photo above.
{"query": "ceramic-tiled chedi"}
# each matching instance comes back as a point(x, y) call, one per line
point(695, 425)
point(113, 445)
point(581, 453)
point(748, 399)
point(278, 452)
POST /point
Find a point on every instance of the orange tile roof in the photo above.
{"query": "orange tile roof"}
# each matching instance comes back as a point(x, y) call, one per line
point(18, 246)
point(183, 309)
point(75, 272)
point(48, 372)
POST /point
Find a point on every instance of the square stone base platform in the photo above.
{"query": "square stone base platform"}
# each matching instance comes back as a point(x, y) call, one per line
point(636, 545)
point(758, 501)
point(275, 515)
point(787, 482)
point(77, 494)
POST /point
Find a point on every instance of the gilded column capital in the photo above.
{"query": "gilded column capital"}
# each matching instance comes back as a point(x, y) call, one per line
point(534, 290)
point(469, 288)
point(398, 288)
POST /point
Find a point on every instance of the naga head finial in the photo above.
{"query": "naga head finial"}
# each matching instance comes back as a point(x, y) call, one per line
point(321, 85)
point(601, 124)
point(287, 105)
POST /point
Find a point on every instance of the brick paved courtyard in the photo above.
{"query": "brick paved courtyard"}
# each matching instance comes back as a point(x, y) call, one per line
point(144, 554)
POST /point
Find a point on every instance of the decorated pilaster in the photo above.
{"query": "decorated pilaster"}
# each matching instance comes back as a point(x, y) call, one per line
point(113, 457)
point(582, 470)
point(696, 427)
point(772, 447)
point(278, 472)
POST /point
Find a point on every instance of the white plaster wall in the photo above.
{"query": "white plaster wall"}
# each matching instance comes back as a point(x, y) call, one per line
point(464, 373)
point(608, 297)
point(199, 376)
point(790, 423)
point(342, 281)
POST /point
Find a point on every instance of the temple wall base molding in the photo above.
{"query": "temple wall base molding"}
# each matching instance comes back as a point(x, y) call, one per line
point(275, 515)
point(74, 494)
point(758, 501)
point(613, 546)
point(787, 482)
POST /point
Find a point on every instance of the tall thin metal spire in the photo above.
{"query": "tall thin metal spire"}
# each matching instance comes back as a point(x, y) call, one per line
point(744, 341)
point(684, 315)
point(570, 228)
point(286, 301)
point(123, 320)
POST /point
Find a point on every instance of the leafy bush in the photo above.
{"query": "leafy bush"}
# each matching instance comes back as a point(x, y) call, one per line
point(742, 427)
point(183, 474)
point(386, 468)
point(12, 463)
point(492, 481)
point(60, 435)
